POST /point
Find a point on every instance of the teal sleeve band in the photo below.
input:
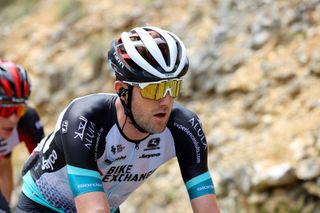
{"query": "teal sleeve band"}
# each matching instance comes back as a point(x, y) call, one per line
point(114, 210)
point(83, 180)
point(200, 185)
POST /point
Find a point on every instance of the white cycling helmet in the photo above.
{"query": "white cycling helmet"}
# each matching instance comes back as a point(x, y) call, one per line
point(147, 54)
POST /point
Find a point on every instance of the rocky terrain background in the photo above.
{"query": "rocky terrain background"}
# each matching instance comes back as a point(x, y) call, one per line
point(254, 81)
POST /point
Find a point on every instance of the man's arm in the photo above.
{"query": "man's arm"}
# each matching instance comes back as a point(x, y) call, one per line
point(93, 202)
point(192, 154)
point(6, 180)
point(205, 204)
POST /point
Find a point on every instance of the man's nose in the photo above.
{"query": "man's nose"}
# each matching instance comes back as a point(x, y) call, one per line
point(166, 100)
point(13, 118)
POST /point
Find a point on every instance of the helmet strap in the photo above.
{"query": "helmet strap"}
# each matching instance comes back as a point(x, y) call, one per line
point(127, 106)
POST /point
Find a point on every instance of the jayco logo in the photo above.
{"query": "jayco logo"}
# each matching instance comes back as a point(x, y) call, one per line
point(48, 163)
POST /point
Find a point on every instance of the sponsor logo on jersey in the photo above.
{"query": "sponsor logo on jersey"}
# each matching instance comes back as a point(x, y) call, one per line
point(89, 185)
point(81, 127)
point(150, 155)
point(123, 174)
point(86, 131)
point(107, 161)
point(39, 125)
point(196, 124)
point(193, 139)
point(64, 126)
point(37, 166)
point(205, 188)
point(97, 141)
point(49, 162)
point(117, 149)
point(153, 144)
point(3, 143)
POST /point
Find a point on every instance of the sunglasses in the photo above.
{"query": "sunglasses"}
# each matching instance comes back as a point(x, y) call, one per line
point(159, 89)
point(7, 110)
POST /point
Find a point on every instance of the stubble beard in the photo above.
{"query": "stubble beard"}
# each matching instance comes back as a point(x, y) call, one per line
point(150, 126)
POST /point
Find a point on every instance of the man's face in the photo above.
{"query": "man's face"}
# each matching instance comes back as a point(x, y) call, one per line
point(7, 125)
point(10, 115)
point(151, 115)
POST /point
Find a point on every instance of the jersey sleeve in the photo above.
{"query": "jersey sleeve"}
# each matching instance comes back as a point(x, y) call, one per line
point(192, 151)
point(30, 129)
point(80, 132)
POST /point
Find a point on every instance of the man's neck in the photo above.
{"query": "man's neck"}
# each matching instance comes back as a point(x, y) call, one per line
point(125, 123)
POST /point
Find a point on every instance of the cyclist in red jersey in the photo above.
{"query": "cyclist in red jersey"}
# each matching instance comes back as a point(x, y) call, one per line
point(18, 122)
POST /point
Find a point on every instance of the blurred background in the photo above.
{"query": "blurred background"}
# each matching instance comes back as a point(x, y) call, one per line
point(254, 81)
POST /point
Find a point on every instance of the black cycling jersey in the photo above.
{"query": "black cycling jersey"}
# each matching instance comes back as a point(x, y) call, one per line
point(4, 206)
point(88, 152)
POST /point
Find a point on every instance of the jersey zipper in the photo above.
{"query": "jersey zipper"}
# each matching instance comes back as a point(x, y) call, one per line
point(137, 146)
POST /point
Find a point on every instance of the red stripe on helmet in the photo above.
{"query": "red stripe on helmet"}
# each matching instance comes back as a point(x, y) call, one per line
point(14, 70)
point(6, 87)
point(26, 89)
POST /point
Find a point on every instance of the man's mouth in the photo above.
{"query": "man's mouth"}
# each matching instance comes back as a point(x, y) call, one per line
point(8, 129)
point(160, 115)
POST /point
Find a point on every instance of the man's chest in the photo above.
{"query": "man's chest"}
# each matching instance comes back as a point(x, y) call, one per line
point(6, 146)
point(126, 161)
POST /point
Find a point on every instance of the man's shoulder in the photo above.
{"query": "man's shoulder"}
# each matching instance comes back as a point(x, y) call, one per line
point(181, 116)
point(182, 113)
point(31, 116)
point(186, 128)
point(95, 98)
point(94, 107)
point(93, 101)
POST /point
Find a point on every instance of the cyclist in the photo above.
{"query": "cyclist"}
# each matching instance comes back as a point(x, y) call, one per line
point(104, 146)
point(18, 122)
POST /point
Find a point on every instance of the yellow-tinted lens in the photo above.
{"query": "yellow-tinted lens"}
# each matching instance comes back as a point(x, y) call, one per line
point(159, 90)
point(150, 91)
point(175, 86)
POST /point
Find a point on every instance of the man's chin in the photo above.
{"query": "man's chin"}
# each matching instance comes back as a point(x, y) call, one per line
point(158, 130)
point(5, 133)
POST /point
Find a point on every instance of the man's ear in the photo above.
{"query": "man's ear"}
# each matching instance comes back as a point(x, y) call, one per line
point(120, 88)
point(117, 86)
